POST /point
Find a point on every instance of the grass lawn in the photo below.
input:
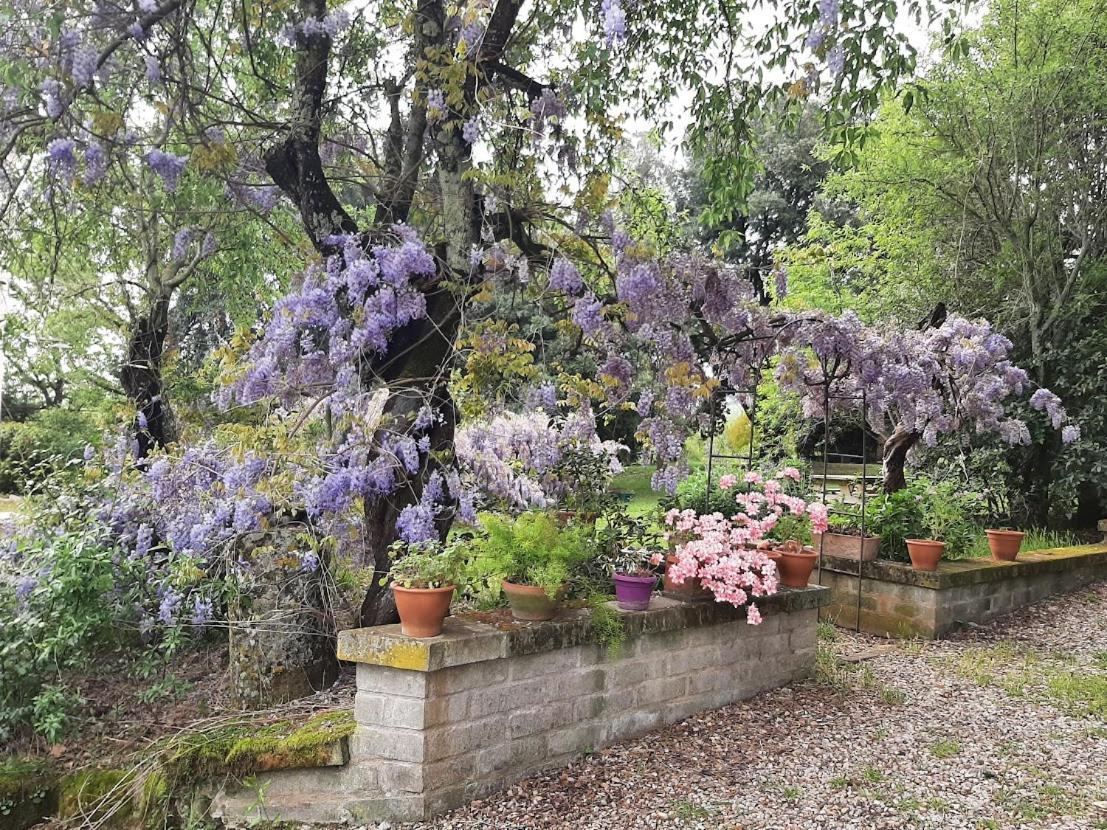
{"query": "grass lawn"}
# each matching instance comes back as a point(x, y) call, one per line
point(635, 479)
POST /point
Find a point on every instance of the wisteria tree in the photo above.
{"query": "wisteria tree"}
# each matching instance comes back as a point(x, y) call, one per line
point(373, 124)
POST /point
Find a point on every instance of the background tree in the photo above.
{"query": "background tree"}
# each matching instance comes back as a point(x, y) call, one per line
point(367, 120)
point(988, 195)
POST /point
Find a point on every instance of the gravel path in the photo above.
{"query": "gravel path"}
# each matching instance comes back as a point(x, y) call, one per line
point(1003, 727)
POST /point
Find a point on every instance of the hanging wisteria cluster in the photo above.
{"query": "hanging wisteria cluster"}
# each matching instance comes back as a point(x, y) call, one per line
point(697, 326)
point(513, 460)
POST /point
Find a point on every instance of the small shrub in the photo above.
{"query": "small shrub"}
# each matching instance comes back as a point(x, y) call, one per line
point(926, 510)
point(532, 549)
point(32, 450)
point(52, 711)
point(61, 603)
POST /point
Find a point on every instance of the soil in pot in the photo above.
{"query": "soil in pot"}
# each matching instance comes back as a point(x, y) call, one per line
point(795, 565)
point(925, 553)
point(633, 593)
point(690, 590)
point(530, 603)
point(1004, 544)
point(422, 610)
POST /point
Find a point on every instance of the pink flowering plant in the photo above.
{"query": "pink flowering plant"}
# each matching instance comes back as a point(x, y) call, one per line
point(722, 552)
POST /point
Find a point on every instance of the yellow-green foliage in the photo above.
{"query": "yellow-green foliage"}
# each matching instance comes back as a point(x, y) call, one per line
point(736, 434)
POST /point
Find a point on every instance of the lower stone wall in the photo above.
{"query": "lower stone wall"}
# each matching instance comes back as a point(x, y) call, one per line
point(443, 721)
point(898, 601)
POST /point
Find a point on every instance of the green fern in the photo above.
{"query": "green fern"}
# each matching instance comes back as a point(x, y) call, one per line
point(532, 549)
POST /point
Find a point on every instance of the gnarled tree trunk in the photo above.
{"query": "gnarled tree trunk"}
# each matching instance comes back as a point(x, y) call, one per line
point(281, 642)
point(141, 378)
point(895, 458)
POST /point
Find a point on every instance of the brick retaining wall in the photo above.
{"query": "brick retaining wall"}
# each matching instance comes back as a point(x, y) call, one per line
point(898, 601)
point(450, 719)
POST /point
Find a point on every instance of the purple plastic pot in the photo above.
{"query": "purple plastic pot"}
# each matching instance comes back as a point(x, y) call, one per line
point(633, 592)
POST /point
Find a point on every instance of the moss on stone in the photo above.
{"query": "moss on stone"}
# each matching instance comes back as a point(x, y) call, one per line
point(20, 777)
point(185, 761)
point(28, 792)
point(308, 746)
point(243, 749)
point(97, 795)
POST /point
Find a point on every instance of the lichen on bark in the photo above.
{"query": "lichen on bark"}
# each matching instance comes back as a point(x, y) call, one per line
point(281, 641)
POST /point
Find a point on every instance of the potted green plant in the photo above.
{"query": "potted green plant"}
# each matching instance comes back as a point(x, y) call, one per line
point(532, 558)
point(424, 578)
point(635, 577)
point(628, 550)
point(927, 518)
point(845, 539)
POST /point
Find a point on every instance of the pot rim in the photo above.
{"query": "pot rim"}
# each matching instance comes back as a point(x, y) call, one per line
point(633, 578)
point(396, 587)
point(925, 542)
point(802, 554)
point(527, 589)
point(856, 535)
point(998, 532)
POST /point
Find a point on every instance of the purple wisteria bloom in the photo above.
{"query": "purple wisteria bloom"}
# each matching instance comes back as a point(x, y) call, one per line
point(168, 166)
point(614, 21)
point(565, 277)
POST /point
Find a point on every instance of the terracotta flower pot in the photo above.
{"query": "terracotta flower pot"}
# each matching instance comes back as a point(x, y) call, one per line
point(796, 564)
point(690, 590)
point(530, 603)
point(1005, 544)
point(633, 593)
point(422, 610)
point(847, 546)
point(925, 553)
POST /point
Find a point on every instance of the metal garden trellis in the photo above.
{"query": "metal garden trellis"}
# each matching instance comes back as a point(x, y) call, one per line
point(749, 405)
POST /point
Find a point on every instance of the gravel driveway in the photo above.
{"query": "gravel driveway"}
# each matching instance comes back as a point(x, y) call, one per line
point(1003, 727)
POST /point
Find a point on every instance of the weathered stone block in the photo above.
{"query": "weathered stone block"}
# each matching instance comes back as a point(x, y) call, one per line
point(372, 678)
point(389, 743)
point(539, 718)
point(661, 689)
point(577, 739)
point(463, 678)
point(540, 665)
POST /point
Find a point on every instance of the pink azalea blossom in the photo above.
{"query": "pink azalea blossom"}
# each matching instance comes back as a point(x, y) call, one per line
point(727, 481)
point(753, 478)
point(818, 513)
point(790, 472)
